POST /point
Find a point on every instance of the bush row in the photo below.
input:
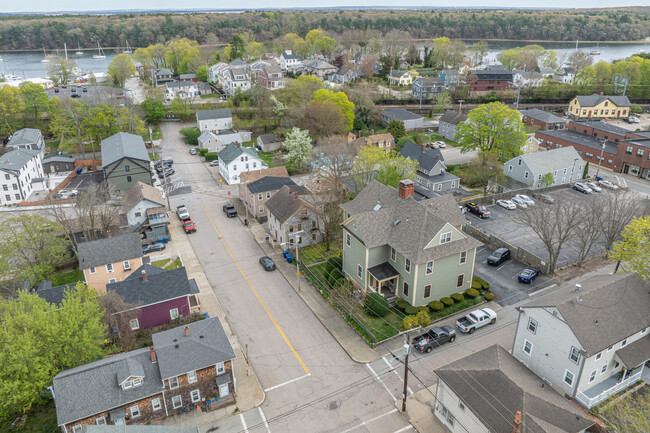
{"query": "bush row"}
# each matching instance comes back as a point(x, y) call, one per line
point(211, 156)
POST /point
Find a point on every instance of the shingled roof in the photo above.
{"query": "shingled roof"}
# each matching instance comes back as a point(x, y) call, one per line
point(142, 191)
point(494, 386)
point(286, 202)
point(14, 160)
point(453, 117)
point(595, 99)
point(219, 113)
point(427, 159)
point(109, 250)
point(542, 116)
point(270, 183)
point(123, 145)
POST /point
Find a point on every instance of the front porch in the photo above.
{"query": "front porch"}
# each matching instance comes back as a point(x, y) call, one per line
point(610, 386)
point(383, 279)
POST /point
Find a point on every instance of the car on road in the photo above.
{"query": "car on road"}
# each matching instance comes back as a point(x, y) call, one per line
point(230, 210)
point(155, 246)
point(73, 90)
point(519, 202)
point(583, 188)
point(214, 163)
point(607, 184)
point(56, 90)
point(478, 209)
point(193, 151)
point(507, 204)
point(528, 275)
point(189, 226)
point(267, 263)
point(476, 319)
point(545, 198)
point(168, 172)
point(594, 186)
point(499, 256)
point(433, 338)
point(529, 201)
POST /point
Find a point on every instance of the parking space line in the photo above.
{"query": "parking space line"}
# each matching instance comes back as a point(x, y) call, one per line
point(287, 382)
point(408, 388)
point(381, 381)
point(266, 424)
point(408, 427)
point(243, 422)
point(504, 265)
point(370, 420)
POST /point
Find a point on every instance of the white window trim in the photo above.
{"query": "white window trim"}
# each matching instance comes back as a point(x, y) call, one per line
point(171, 315)
point(137, 409)
point(530, 322)
point(460, 285)
point(599, 355)
point(112, 280)
point(100, 421)
point(359, 271)
point(180, 399)
point(577, 351)
point(462, 260)
point(393, 254)
point(155, 404)
point(175, 378)
point(92, 270)
point(524, 347)
point(191, 377)
point(573, 378)
point(221, 368)
point(407, 265)
point(127, 265)
point(592, 375)
point(348, 239)
point(137, 324)
point(604, 369)
point(445, 238)
point(426, 269)
point(111, 269)
point(198, 396)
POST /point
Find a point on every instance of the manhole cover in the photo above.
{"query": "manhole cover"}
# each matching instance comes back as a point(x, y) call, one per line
point(335, 405)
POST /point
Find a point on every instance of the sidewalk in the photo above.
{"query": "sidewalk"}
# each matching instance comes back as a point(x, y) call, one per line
point(249, 392)
point(349, 340)
point(419, 408)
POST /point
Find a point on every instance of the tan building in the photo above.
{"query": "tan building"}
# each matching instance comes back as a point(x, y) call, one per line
point(386, 142)
point(531, 145)
point(599, 107)
point(109, 260)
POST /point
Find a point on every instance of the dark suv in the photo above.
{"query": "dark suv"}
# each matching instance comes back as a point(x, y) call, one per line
point(498, 256)
point(479, 210)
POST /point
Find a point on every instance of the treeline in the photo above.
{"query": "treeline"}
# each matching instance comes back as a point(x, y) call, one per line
point(351, 27)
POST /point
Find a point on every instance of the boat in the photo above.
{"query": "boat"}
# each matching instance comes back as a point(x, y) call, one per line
point(44, 59)
point(79, 52)
point(128, 49)
point(596, 51)
point(100, 53)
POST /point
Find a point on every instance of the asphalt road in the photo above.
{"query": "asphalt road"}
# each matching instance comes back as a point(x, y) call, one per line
point(311, 384)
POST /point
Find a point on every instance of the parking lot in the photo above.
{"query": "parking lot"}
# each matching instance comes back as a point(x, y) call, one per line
point(94, 94)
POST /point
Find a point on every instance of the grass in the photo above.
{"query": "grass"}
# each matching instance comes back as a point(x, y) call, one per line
point(52, 144)
point(41, 418)
point(152, 156)
point(210, 95)
point(174, 265)
point(313, 254)
point(61, 278)
point(160, 263)
point(529, 129)
point(424, 138)
point(156, 132)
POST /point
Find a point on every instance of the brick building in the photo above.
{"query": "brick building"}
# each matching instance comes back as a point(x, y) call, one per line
point(542, 119)
point(492, 78)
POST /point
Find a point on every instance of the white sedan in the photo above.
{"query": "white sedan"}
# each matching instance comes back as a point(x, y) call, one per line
point(519, 202)
point(441, 144)
point(507, 204)
point(607, 184)
point(594, 186)
point(529, 201)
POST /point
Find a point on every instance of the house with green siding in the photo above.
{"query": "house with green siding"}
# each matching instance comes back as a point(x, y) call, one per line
point(400, 247)
point(125, 161)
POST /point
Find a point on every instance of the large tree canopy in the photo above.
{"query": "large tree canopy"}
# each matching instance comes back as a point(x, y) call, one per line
point(341, 100)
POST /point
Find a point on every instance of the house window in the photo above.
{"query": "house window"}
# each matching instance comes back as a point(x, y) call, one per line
point(532, 325)
point(568, 378)
point(445, 237)
point(128, 178)
point(109, 268)
point(155, 404)
point(173, 382)
point(134, 324)
point(268, 195)
point(135, 411)
point(407, 266)
point(173, 313)
point(15, 186)
point(427, 291)
point(525, 175)
point(112, 280)
point(101, 420)
point(624, 342)
point(629, 150)
point(177, 401)
point(610, 348)
point(127, 265)
point(574, 355)
point(17, 196)
point(195, 395)
point(76, 428)
point(528, 347)
point(592, 376)
point(347, 239)
point(463, 257)
point(461, 406)
point(138, 214)
point(127, 168)
point(599, 355)
point(261, 209)
point(448, 416)
point(7, 177)
point(5, 187)
point(439, 187)
point(259, 196)
point(616, 364)
point(92, 270)
point(191, 377)
point(429, 270)
point(8, 197)
point(453, 184)
point(604, 369)
point(221, 368)
point(519, 161)
point(460, 280)
point(405, 289)
point(234, 167)
point(359, 271)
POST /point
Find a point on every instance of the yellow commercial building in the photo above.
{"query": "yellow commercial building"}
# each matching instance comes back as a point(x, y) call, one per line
point(599, 107)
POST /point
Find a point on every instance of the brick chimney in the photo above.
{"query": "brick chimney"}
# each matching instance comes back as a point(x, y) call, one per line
point(295, 195)
point(516, 425)
point(187, 331)
point(152, 354)
point(144, 275)
point(438, 156)
point(406, 188)
point(238, 144)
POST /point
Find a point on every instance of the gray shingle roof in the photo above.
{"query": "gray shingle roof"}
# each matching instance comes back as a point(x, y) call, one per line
point(206, 345)
point(68, 159)
point(453, 117)
point(401, 114)
point(270, 183)
point(595, 99)
point(601, 126)
point(292, 56)
point(138, 429)
point(427, 159)
point(269, 138)
point(490, 70)
point(159, 286)
point(271, 69)
point(14, 160)
point(123, 145)
point(612, 308)
point(53, 295)
point(635, 354)
point(238, 62)
point(397, 74)
point(284, 203)
point(163, 71)
point(542, 116)
point(25, 136)
point(109, 250)
point(187, 76)
point(141, 191)
point(180, 84)
point(581, 139)
point(231, 152)
point(494, 385)
point(545, 162)
point(318, 64)
point(218, 113)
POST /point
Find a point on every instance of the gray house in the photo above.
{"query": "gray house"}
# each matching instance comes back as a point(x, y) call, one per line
point(432, 173)
point(411, 121)
point(448, 124)
point(588, 341)
point(214, 120)
point(125, 161)
point(290, 211)
point(57, 164)
point(564, 164)
point(427, 87)
point(139, 200)
point(27, 138)
point(269, 142)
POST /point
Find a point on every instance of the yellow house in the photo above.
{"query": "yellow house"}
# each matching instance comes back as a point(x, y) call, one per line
point(531, 145)
point(400, 78)
point(109, 260)
point(599, 107)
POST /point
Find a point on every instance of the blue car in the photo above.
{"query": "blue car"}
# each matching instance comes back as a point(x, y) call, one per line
point(528, 275)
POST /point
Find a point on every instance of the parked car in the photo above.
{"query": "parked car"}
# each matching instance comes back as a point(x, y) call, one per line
point(528, 275)
point(163, 162)
point(73, 90)
point(214, 163)
point(529, 201)
point(85, 90)
point(441, 144)
point(68, 193)
point(168, 172)
point(267, 263)
point(230, 210)
point(183, 213)
point(476, 319)
point(56, 90)
point(507, 204)
point(193, 151)
point(499, 256)
point(478, 209)
point(632, 119)
point(594, 186)
point(75, 95)
point(433, 338)
point(189, 226)
point(155, 246)
point(544, 198)
point(583, 188)
point(607, 184)
point(519, 202)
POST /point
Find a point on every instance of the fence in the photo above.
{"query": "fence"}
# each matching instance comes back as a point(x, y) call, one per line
point(94, 164)
point(591, 402)
point(52, 193)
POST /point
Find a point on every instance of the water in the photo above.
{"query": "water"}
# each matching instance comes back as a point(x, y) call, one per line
point(28, 64)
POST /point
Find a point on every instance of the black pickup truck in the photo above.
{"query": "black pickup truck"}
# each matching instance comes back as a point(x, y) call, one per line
point(230, 210)
point(433, 338)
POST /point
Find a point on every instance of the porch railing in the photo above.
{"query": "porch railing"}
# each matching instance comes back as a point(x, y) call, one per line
point(590, 402)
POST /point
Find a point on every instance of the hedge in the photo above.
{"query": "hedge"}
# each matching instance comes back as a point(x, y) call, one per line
point(333, 277)
point(483, 284)
point(402, 304)
point(376, 304)
point(489, 296)
point(436, 305)
point(472, 293)
point(411, 310)
point(457, 297)
point(423, 308)
point(447, 301)
point(202, 152)
point(211, 156)
point(476, 285)
point(423, 318)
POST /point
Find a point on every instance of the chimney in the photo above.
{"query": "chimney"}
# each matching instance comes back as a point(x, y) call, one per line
point(187, 331)
point(516, 425)
point(438, 156)
point(601, 93)
point(406, 188)
point(238, 144)
point(295, 195)
point(152, 354)
point(144, 275)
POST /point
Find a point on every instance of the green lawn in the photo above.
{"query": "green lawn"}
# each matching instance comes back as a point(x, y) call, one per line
point(61, 278)
point(529, 129)
point(156, 134)
point(160, 263)
point(174, 265)
point(52, 144)
point(41, 418)
point(424, 137)
point(313, 254)
point(210, 95)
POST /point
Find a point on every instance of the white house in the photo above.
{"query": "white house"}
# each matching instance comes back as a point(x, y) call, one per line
point(588, 341)
point(217, 142)
point(19, 170)
point(27, 138)
point(289, 61)
point(237, 78)
point(215, 71)
point(564, 164)
point(214, 120)
point(236, 159)
point(181, 90)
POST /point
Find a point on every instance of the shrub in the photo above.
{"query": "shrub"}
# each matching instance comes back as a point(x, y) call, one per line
point(402, 304)
point(191, 135)
point(423, 308)
point(489, 296)
point(476, 286)
point(457, 297)
point(483, 285)
point(335, 262)
point(636, 109)
point(436, 305)
point(423, 318)
point(447, 301)
point(376, 304)
point(410, 310)
point(410, 322)
point(472, 293)
point(211, 156)
point(202, 152)
point(333, 277)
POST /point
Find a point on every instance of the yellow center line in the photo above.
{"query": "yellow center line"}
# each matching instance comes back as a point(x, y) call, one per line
point(286, 340)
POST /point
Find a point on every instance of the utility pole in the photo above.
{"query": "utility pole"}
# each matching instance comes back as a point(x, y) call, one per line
point(460, 110)
point(407, 346)
point(298, 260)
point(600, 160)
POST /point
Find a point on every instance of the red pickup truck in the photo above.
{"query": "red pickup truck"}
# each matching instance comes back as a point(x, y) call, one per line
point(189, 226)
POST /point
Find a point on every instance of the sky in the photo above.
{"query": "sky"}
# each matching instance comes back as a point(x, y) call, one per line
point(80, 6)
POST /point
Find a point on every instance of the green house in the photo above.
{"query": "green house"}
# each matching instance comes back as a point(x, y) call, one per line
point(397, 246)
point(125, 161)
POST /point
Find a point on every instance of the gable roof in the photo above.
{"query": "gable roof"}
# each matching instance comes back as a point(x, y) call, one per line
point(123, 145)
point(398, 74)
point(581, 139)
point(611, 308)
point(271, 69)
point(109, 250)
point(159, 286)
point(227, 137)
point(231, 152)
point(238, 62)
point(269, 183)
point(206, 345)
point(545, 162)
point(428, 81)
point(542, 116)
point(290, 56)
point(494, 386)
point(14, 160)
point(163, 71)
point(25, 136)
point(318, 64)
point(401, 114)
point(453, 117)
point(427, 159)
point(270, 138)
point(141, 191)
point(595, 99)
point(280, 171)
point(186, 76)
point(175, 84)
point(286, 202)
point(484, 73)
point(205, 136)
point(218, 113)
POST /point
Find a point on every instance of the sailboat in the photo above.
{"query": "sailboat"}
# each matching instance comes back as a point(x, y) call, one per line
point(79, 52)
point(100, 53)
point(596, 51)
point(44, 59)
point(128, 49)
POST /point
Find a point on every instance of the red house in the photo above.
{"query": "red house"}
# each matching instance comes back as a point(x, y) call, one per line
point(492, 78)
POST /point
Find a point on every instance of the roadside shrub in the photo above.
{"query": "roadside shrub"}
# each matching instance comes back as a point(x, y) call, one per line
point(472, 293)
point(333, 277)
point(376, 304)
point(436, 305)
point(411, 310)
point(482, 284)
point(202, 152)
point(410, 322)
point(402, 304)
point(211, 156)
point(335, 262)
point(423, 308)
point(191, 135)
point(423, 318)
point(457, 297)
point(489, 296)
point(447, 301)
point(636, 109)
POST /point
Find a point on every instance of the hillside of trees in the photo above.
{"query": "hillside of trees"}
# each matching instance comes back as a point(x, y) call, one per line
point(349, 27)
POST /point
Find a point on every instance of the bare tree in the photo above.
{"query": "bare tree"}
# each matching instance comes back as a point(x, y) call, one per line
point(589, 231)
point(618, 209)
point(117, 316)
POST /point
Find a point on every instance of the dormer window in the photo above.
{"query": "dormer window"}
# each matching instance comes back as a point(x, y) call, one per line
point(132, 383)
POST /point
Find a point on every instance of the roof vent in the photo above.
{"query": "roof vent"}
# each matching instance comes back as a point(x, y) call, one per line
point(397, 221)
point(200, 336)
point(578, 287)
point(175, 340)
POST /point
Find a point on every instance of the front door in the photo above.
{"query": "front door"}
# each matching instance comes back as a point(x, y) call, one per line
point(224, 390)
point(589, 114)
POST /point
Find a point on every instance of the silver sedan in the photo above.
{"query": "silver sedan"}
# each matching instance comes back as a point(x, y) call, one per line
point(519, 202)
point(507, 204)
